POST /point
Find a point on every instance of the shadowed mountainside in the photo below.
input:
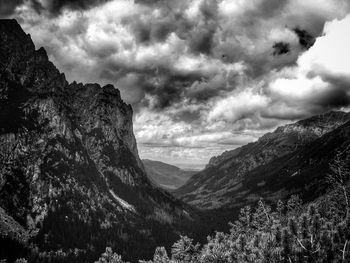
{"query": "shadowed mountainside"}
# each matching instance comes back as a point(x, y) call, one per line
point(71, 181)
point(277, 165)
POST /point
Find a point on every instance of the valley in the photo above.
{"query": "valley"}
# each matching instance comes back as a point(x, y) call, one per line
point(72, 183)
point(166, 176)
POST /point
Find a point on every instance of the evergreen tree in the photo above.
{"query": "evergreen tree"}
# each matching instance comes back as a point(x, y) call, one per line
point(109, 257)
point(338, 178)
point(160, 255)
point(184, 250)
point(290, 233)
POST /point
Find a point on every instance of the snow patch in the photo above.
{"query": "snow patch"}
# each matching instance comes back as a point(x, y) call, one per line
point(123, 203)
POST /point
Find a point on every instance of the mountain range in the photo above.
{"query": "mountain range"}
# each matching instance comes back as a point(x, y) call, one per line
point(71, 180)
point(291, 160)
point(166, 176)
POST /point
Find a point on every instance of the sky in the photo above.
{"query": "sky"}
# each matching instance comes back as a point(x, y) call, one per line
point(203, 76)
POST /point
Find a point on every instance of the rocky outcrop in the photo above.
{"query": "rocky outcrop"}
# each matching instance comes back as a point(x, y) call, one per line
point(70, 174)
point(209, 188)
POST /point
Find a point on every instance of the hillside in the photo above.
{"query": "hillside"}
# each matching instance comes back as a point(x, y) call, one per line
point(275, 166)
point(71, 180)
point(166, 176)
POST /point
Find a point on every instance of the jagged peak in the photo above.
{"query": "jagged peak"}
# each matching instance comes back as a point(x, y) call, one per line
point(11, 28)
point(17, 46)
point(110, 89)
point(41, 52)
point(11, 25)
point(38, 74)
point(107, 93)
point(80, 149)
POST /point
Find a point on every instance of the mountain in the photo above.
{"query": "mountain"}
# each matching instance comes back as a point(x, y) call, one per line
point(71, 180)
point(166, 176)
point(291, 160)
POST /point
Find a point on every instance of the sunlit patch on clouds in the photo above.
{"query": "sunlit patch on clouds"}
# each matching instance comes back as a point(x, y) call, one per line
point(321, 78)
point(202, 76)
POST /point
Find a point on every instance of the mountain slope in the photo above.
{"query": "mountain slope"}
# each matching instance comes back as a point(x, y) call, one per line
point(167, 176)
point(71, 181)
point(302, 172)
point(216, 185)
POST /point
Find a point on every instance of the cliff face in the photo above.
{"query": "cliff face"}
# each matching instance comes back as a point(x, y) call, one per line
point(70, 176)
point(226, 173)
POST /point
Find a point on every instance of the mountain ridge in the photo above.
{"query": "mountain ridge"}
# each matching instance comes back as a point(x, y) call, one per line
point(71, 180)
point(229, 169)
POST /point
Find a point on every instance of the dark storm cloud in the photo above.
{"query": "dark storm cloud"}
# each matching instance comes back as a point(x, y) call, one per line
point(306, 40)
point(8, 7)
point(203, 35)
point(335, 96)
point(54, 7)
point(199, 34)
point(209, 9)
point(338, 95)
point(195, 71)
point(149, 30)
point(268, 8)
point(251, 25)
point(333, 99)
point(150, 2)
point(204, 90)
point(279, 114)
point(187, 116)
point(206, 35)
point(280, 48)
point(167, 90)
point(201, 39)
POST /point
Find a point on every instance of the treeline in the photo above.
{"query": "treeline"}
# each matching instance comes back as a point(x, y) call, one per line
point(263, 234)
point(284, 232)
point(290, 232)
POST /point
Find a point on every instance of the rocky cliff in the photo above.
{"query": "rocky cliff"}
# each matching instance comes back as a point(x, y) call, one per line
point(71, 181)
point(224, 177)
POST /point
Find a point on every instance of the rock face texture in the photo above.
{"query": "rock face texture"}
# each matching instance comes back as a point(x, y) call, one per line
point(71, 181)
point(241, 176)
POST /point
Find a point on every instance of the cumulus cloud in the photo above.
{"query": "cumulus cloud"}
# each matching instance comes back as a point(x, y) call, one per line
point(203, 76)
point(330, 54)
point(51, 7)
point(238, 106)
point(321, 78)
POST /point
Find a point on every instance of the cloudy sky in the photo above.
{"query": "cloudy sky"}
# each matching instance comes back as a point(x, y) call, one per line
point(203, 76)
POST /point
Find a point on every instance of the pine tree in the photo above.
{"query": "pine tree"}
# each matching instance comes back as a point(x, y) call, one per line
point(109, 257)
point(338, 178)
point(184, 250)
point(160, 255)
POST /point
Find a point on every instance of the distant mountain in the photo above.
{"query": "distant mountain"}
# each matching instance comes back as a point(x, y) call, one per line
point(292, 159)
point(71, 181)
point(168, 177)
